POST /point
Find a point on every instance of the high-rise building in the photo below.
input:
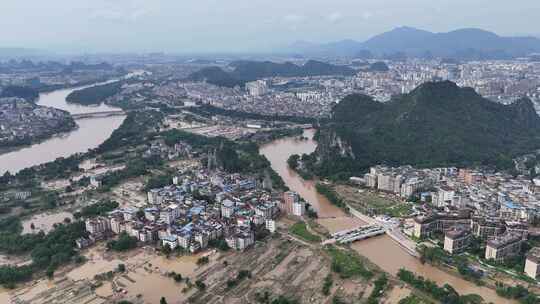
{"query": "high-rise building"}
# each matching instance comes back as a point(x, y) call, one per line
point(289, 198)
point(257, 88)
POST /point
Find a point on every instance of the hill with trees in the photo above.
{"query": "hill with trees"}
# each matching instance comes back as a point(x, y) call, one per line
point(245, 71)
point(26, 93)
point(94, 94)
point(437, 124)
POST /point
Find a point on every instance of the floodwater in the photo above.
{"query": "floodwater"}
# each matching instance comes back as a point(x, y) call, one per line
point(44, 221)
point(91, 132)
point(382, 250)
point(278, 152)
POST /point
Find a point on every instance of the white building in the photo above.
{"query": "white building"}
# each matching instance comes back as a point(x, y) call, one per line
point(257, 88)
point(532, 264)
point(227, 209)
point(270, 225)
point(170, 240)
point(299, 208)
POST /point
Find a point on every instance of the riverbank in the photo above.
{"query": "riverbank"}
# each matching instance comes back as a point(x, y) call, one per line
point(382, 251)
point(88, 135)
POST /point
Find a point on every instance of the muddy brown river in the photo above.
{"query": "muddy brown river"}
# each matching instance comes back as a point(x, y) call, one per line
point(382, 250)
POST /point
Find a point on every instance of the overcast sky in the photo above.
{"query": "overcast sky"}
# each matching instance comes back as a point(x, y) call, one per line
point(241, 25)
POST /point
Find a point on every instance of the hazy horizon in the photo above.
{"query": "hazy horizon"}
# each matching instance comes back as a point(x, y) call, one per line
point(213, 26)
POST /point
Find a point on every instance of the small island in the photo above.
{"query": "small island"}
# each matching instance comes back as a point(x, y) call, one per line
point(95, 94)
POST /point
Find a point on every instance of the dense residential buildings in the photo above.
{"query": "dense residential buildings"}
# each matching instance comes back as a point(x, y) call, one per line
point(22, 122)
point(174, 217)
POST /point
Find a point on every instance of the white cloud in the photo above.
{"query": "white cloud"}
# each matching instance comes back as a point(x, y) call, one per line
point(124, 10)
point(367, 15)
point(334, 17)
point(294, 18)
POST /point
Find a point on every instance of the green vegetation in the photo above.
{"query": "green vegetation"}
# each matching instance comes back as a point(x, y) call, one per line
point(200, 285)
point(242, 157)
point(327, 284)
point(176, 276)
point(27, 93)
point(209, 111)
point(437, 124)
point(292, 162)
point(220, 244)
point(134, 168)
point(413, 299)
point(347, 263)
point(245, 71)
point(99, 208)
point(519, 293)
point(330, 194)
point(242, 274)
point(123, 243)
point(132, 131)
point(48, 251)
point(380, 285)
point(300, 229)
point(94, 94)
point(203, 260)
point(437, 256)
point(158, 181)
point(446, 294)
point(59, 168)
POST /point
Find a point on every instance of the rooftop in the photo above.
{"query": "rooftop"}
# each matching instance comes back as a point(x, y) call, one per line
point(504, 240)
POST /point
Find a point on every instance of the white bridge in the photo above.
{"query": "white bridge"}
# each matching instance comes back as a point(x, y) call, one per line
point(357, 234)
point(98, 114)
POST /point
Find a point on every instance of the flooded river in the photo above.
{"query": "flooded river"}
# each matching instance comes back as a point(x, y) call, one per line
point(91, 132)
point(382, 250)
point(278, 152)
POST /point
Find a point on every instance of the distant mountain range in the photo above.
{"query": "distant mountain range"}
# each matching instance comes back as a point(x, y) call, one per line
point(245, 71)
point(469, 44)
point(18, 53)
point(437, 124)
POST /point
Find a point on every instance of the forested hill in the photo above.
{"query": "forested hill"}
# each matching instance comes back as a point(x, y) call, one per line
point(94, 94)
point(245, 71)
point(437, 124)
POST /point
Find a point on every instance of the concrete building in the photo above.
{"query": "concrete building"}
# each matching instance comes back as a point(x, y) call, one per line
point(227, 209)
point(270, 225)
point(503, 247)
point(456, 240)
point(532, 263)
point(154, 198)
point(424, 226)
point(485, 228)
point(170, 240)
point(444, 196)
point(98, 226)
point(299, 208)
point(257, 88)
point(289, 198)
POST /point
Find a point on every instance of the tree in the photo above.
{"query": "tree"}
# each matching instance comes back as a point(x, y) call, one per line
point(166, 250)
point(163, 300)
point(200, 285)
point(121, 268)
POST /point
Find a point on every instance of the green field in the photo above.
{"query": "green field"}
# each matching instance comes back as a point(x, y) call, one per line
point(300, 229)
point(348, 264)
